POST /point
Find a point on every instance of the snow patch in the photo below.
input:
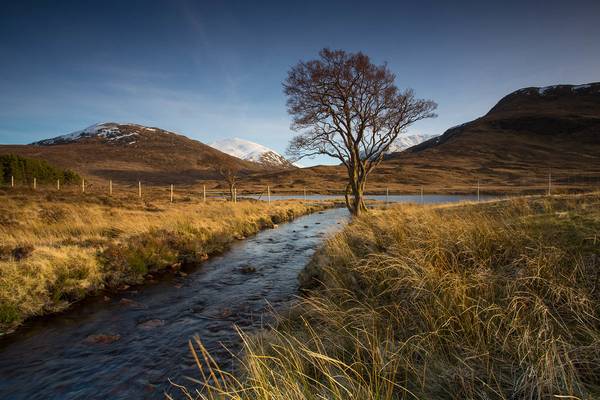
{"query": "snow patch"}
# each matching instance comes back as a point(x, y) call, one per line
point(404, 142)
point(106, 130)
point(119, 137)
point(545, 89)
point(110, 131)
point(250, 151)
point(579, 87)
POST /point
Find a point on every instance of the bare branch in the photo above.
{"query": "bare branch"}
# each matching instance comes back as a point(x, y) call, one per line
point(348, 108)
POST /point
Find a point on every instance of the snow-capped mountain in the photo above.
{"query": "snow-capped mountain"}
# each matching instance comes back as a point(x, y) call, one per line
point(129, 152)
point(251, 151)
point(549, 89)
point(108, 131)
point(403, 142)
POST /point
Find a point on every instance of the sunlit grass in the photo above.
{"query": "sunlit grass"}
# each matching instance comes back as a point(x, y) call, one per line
point(482, 301)
point(55, 251)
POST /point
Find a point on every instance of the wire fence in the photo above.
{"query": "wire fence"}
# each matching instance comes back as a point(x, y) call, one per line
point(475, 190)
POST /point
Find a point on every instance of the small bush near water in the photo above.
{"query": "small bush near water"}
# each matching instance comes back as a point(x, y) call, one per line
point(497, 300)
point(55, 251)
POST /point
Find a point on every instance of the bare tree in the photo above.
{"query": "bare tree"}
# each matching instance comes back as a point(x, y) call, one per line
point(229, 174)
point(346, 107)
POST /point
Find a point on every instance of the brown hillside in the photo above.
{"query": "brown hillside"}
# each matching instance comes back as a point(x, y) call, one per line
point(528, 134)
point(131, 153)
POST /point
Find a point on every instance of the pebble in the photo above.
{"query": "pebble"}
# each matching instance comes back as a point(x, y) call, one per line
point(247, 269)
point(131, 303)
point(152, 323)
point(102, 338)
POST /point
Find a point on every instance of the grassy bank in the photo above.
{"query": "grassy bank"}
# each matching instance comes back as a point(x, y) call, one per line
point(55, 250)
point(483, 301)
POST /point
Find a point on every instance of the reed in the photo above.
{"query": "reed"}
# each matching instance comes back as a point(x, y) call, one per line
point(497, 300)
point(55, 250)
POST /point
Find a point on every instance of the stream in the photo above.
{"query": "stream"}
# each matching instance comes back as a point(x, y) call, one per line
point(129, 345)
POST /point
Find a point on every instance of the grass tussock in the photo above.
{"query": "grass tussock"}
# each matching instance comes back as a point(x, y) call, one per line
point(483, 301)
point(54, 251)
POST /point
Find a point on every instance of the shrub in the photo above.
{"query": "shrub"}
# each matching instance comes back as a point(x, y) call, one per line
point(24, 169)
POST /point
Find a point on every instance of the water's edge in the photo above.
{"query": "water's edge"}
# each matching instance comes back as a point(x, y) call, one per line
point(130, 343)
point(151, 277)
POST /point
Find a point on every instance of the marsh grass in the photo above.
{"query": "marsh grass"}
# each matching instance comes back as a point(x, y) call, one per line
point(55, 250)
point(499, 300)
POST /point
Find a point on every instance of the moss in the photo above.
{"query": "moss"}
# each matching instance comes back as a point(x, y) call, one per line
point(9, 313)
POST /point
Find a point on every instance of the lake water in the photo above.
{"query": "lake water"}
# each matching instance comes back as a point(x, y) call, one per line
point(426, 199)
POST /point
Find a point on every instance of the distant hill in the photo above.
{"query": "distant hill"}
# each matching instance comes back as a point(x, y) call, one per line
point(250, 151)
point(562, 112)
point(128, 152)
point(531, 129)
point(527, 135)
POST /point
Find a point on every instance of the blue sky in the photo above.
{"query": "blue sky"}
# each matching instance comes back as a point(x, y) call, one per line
point(213, 70)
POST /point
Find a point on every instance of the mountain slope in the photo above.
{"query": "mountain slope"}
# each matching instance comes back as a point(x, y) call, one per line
point(527, 135)
point(514, 146)
point(128, 152)
point(530, 121)
point(251, 151)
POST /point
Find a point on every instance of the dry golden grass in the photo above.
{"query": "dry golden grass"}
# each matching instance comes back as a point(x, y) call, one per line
point(498, 300)
point(55, 250)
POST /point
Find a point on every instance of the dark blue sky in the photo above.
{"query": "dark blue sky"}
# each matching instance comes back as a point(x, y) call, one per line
point(214, 69)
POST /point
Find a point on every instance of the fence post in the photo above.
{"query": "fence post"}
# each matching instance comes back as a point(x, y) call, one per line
point(204, 193)
point(140, 189)
point(171, 193)
point(82, 185)
point(235, 195)
point(34, 183)
point(12, 181)
point(387, 195)
point(110, 187)
point(268, 194)
point(58, 184)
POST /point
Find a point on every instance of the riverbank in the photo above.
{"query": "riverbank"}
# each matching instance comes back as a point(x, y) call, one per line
point(495, 300)
point(56, 250)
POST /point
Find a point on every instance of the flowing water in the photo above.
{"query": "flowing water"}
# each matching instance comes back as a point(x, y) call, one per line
point(128, 345)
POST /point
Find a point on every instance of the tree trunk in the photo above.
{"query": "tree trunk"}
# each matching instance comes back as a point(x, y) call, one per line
point(346, 196)
point(359, 200)
point(231, 187)
point(355, 201)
